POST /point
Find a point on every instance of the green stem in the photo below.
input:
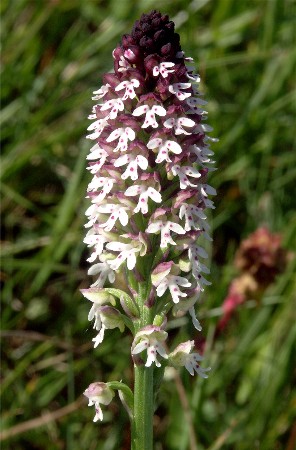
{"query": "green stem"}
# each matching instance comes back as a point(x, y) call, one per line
point(142, 423)
point(142, 429)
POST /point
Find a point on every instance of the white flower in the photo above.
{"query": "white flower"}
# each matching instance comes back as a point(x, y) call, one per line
point(99, 298)
point(127, 253)
point(101, 182)
point(183, 172)
point(150, 120)
point(144, 193)
point(96, 240)
point(137, 245)
point(164, 147)
point(105, 271)
point(116, 212)
point(115, 104)
point(132, 161)
point(100, 93)
point(98, 126)
point(182, 356)
point(203, 128)
point(206, 190)
point(106, 318)
point(150, 338)
point(162, 69)
point(97, 153)
point(193, 103)
point(106, 183)
point(177, 89)
point(193, 76)
point(99, 393)
point(178, 124)
point(189, 211)
point(123, 64)
point(92, 214)
point(194, 251)
point(165, 228)
point(172, 282)
point(188, 305)
point(129, 88)
point(203, 153)
point(124, 135)
point(198, 267)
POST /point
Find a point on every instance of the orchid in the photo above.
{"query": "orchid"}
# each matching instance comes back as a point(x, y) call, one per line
point(182, 356)
point(99, 393)
point(148, 198)
point(150, 338)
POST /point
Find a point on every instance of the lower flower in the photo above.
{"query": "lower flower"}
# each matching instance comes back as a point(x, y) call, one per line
point(150, 338)
point(182, 356)
point(99, 393)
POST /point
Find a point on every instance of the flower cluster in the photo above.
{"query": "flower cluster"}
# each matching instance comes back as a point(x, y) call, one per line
point(149, 193)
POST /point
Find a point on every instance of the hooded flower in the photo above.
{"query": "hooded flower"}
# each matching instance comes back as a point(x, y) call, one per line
point(182, 356)
point(99, 393)
point(150, 338)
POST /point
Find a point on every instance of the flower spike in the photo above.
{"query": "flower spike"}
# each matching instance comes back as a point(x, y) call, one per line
point(148, 197)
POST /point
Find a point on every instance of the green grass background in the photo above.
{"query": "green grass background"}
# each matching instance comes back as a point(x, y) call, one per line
point(54, 55)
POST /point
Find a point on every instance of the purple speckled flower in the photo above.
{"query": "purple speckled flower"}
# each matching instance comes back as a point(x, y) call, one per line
point(182, 356)
point(150, 338)
point(150, 161)
point(98, 393)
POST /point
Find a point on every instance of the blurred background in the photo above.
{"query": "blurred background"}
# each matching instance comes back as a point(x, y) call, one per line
point(54, 55)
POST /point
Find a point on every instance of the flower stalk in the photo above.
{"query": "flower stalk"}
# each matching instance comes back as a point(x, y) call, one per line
point(150, 163)
point(142, 425)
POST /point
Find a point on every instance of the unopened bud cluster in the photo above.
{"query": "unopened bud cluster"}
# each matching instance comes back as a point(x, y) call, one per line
point(149, 193)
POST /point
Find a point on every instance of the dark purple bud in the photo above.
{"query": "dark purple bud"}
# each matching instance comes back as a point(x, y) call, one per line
point(134, 73)
point(127, 40)
point(159, 36)
point(165, 18)
point(155, 33)
point(112, 79)
point(156, 22)
point(166, 49)
point(147, 43)
point(146, 27)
